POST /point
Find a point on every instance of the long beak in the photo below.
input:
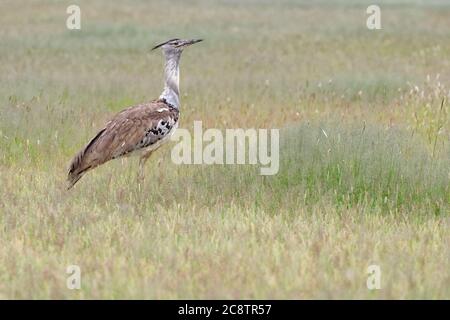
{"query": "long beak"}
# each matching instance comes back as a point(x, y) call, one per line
point(190, 42)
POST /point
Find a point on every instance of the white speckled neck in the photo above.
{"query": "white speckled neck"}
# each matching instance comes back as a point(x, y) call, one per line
point(171, 92)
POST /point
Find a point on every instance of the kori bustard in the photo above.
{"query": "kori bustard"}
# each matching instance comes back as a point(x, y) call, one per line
point(137, 130)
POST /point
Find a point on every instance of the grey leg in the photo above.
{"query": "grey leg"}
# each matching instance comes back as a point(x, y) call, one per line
point(142, 160)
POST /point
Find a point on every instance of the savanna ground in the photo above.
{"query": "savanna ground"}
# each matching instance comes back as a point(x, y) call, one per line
point(364, 157)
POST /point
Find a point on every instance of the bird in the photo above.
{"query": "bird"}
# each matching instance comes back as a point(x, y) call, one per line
point(140, 129)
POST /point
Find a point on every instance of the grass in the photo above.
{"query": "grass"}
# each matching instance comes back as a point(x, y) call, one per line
point(364, 156)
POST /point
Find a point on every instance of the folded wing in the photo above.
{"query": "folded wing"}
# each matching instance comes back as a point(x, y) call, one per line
point(133, 129)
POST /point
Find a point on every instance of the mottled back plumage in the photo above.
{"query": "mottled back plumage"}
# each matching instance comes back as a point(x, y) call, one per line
point(140, 129)
point(134, 129)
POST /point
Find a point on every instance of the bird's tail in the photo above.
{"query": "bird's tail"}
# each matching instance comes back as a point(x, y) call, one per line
point(72, 179)
point(82, 163)
point(76, 170)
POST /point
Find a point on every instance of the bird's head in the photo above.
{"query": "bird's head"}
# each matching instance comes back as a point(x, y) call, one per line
point(175, 46)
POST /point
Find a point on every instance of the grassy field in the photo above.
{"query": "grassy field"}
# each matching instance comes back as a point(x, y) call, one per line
point(364, 176)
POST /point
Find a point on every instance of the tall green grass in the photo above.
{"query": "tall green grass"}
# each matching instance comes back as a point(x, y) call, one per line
point(364, 151)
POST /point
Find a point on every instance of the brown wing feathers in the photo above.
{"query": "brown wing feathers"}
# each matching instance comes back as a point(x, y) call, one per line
point(77, 167)
point(130, 130)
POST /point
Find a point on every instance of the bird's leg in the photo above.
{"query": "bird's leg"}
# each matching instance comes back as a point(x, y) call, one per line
point(142, 161)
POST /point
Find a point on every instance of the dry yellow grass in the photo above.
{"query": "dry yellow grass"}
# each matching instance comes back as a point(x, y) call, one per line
point(375, 191)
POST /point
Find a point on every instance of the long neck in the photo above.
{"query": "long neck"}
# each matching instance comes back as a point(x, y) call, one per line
point(171, 92)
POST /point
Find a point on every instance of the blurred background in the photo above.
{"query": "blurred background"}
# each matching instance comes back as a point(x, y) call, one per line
point(364, 173)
